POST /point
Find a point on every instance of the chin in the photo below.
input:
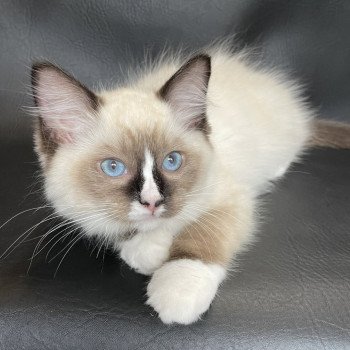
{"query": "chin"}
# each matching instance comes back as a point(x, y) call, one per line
point(143, 220)
point(148, 224)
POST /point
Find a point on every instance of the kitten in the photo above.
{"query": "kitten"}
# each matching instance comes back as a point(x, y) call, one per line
point(167, 169)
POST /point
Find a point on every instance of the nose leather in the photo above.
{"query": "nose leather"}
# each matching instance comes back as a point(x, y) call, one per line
point(152, 205)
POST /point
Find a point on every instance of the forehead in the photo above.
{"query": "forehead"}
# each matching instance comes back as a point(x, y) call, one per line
point(131, 122)
point(132, 107)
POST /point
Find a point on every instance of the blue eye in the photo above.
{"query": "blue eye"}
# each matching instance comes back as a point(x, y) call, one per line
point(172, 161)
point(113, 167)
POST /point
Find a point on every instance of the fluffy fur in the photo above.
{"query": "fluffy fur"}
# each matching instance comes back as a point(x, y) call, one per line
point(237, 126)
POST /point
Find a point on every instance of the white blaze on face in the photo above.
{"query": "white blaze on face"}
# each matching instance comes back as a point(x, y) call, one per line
point(150, 192)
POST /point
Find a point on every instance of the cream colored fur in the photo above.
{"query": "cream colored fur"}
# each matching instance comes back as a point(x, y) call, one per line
point(259, 124)
point(183, 289)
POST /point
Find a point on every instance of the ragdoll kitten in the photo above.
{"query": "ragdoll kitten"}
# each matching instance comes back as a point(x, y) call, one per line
point(167, 169)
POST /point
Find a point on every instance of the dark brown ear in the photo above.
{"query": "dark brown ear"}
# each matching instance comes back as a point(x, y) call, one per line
point(65, 107)
point(186, 92)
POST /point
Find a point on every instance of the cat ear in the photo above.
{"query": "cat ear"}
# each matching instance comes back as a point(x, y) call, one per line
point(66, 107)
point(186, 92)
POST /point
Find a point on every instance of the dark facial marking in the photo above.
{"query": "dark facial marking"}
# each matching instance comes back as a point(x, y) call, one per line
point(161, 182)
point(135, 185)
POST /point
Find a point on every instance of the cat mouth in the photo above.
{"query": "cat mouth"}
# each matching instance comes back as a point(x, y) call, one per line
point(144, 215)
point(150, 216)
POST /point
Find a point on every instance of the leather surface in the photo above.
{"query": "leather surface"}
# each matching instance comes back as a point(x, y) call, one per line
point(291, 290)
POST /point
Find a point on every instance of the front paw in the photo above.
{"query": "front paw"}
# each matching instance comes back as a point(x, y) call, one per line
point(146, 252)
point(182, 290)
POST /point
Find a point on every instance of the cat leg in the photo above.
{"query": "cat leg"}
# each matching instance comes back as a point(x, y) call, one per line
point(184, 287)
point(146, 251)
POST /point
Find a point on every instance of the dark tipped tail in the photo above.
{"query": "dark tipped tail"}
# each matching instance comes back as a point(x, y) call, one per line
point(330, 134)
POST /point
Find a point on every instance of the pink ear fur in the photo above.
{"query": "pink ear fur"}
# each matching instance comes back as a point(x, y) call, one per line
point(65, 106)
point(186, 92)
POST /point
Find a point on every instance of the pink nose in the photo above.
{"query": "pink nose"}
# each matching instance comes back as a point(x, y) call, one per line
point(152, 205)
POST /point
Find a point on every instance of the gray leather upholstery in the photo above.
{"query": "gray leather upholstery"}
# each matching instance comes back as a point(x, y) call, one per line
point(291, 290)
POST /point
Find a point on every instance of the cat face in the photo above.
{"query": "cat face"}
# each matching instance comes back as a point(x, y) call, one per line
point(124, 159)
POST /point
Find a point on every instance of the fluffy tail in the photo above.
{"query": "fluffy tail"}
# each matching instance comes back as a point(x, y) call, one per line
point(330, 134)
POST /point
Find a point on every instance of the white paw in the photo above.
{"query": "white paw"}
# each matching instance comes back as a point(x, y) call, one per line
point(146, 252)
point(182, 290)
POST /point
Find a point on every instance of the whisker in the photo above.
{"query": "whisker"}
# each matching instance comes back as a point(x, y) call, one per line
point(75, 227)
point(68, 243)
point(72, 245)
point(26, 233)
